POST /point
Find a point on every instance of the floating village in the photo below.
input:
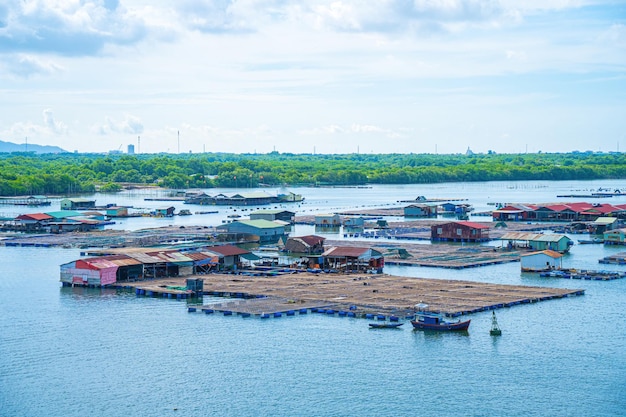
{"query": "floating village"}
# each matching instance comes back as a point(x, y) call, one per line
point(261, 269)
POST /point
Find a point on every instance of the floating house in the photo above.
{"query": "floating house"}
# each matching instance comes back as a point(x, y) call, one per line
point(580, 211)
point(353, 259)
point(148, 263)
point(243, 199)
point(115, 211)
point(166, 211)
point(310, 245)
point(75, 224)
point(93, 272)
point(420, 210)
point(512, 212)
point(77, 204)
point(462, 231)
point(272, 215)
point(614, 237)
point(604, 224)
point(32, 222)
point(544, 260)
point(229, 256)
point(354, 222)
point(267, 231)
point(538, 241)
point(327, 220)
point(58, 222)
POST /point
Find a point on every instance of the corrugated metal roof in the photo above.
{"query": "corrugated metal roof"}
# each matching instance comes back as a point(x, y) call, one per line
point(34, 216)
point(123, 260)
point(100, 263)
point(272, 212)
point(62, 214)
point(520, 236)
point(145, 258)
point(550, 253)
point(259, 223)
point(551, 238)
point(173, 256)
point(474, 225)
point(538, 237)
point(311, 239)
point(258, 194)
point(605, 220)
point(227, 250)
point(345, 251)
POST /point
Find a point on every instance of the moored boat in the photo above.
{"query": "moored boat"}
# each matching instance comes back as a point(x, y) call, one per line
point(385, 325)
point(426, 320)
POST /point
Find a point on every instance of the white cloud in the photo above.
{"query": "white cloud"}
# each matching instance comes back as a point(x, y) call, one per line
point(53, 125)
point(130, 124)
point(68, 27)
point(26, 66)
point(239, 75)
point(49, 128)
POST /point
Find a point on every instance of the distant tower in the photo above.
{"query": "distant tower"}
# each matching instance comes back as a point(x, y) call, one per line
point(131, 149)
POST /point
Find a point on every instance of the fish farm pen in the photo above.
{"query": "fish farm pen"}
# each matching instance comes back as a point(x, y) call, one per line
point(349, 295)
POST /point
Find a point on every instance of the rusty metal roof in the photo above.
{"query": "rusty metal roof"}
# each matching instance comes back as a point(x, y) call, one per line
point(227, 250)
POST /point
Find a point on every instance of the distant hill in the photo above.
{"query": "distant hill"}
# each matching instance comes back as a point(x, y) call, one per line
point(7, 147)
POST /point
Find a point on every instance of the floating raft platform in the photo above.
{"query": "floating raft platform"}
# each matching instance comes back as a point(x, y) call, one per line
point(584, 274)
point(360, 294)
point(618, 259)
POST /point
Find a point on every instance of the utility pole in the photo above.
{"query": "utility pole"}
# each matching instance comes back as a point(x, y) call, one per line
point(178, 141)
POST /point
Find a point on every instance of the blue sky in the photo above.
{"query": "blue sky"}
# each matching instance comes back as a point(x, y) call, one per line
point(322, 76)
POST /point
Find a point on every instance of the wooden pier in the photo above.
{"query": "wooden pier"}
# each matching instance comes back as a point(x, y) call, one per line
point(359, 294)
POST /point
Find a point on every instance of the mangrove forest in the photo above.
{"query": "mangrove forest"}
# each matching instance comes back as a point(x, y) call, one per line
point(48, 174)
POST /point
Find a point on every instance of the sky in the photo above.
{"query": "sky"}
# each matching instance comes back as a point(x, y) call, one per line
point(314, 76)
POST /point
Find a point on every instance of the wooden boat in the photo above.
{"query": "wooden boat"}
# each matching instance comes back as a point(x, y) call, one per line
point(385, 325)
point(590, 241)
point(425, 320)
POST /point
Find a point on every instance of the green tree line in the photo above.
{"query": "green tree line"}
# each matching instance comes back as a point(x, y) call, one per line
point(27, 173)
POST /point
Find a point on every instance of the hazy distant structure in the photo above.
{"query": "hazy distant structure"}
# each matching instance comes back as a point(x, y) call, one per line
point(131, 149)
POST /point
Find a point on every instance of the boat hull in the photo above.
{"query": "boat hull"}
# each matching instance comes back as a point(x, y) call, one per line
point(385, 325)
point(442, 327)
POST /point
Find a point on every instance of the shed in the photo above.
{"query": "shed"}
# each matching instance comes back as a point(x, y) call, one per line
point(603, 224)
point(420, 210)
point(92, 271)
point(77, 204)
point(310, 245)
point(513, 212)
point(460, 232)
point(354, 222)
point(75, 225)
point(271, 215)
point(34, 221)
point(615, 237)
point(353, 259)
point(327, 220)
point(538, 241)
point(544, 260)
point(167, 211)
point(116, 211)
point(229, 256)
point(267, 231)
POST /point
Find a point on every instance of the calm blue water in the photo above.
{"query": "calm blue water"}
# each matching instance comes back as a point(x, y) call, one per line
point(78, 352)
